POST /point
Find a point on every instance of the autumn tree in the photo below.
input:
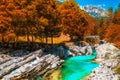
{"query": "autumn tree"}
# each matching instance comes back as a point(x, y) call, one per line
point(105, 22)
point(16, 15)
point(48, 15)
point(113, 31)
point(4, 20)
point(116, 17)
point(31, 19)
point(73, 19)
point(109, 16)
point(22, 14)
point(113, 34)
point(44, 18)
point(102, 26)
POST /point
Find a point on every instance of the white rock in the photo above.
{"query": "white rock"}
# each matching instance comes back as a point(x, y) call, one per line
point(104, 71)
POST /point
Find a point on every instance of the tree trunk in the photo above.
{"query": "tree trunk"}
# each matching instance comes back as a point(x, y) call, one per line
point(28, 39)
point(41, 38)
point(46, 38)
point(2, 36)
point(51, 39)
point(16, 41)
point(32, 38)
point(71, 37)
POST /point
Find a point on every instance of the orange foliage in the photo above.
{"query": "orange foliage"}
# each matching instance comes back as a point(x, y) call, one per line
point(113, 31)
point(116, 18)
point(113, 34)
point(75, 22)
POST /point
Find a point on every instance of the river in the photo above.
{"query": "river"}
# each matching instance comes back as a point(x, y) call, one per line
point(76, 68)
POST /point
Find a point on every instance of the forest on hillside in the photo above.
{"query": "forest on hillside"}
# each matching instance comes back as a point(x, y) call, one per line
point(43, 19)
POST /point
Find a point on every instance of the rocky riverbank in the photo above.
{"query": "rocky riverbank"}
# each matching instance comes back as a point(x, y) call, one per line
point(109, 56)
point(105, 71)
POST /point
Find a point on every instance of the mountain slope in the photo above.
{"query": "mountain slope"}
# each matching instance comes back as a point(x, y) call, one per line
point(95, 11)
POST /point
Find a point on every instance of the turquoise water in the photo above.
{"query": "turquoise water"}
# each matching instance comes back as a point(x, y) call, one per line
point(76, 68)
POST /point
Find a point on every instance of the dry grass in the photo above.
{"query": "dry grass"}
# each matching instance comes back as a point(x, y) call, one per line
point(56, 40)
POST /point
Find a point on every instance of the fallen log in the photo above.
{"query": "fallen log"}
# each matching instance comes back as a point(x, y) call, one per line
point(10, 62)
point(30, 65)
point(48, 64)
point(18, 59)
point(16, 63)
point(4, 60)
